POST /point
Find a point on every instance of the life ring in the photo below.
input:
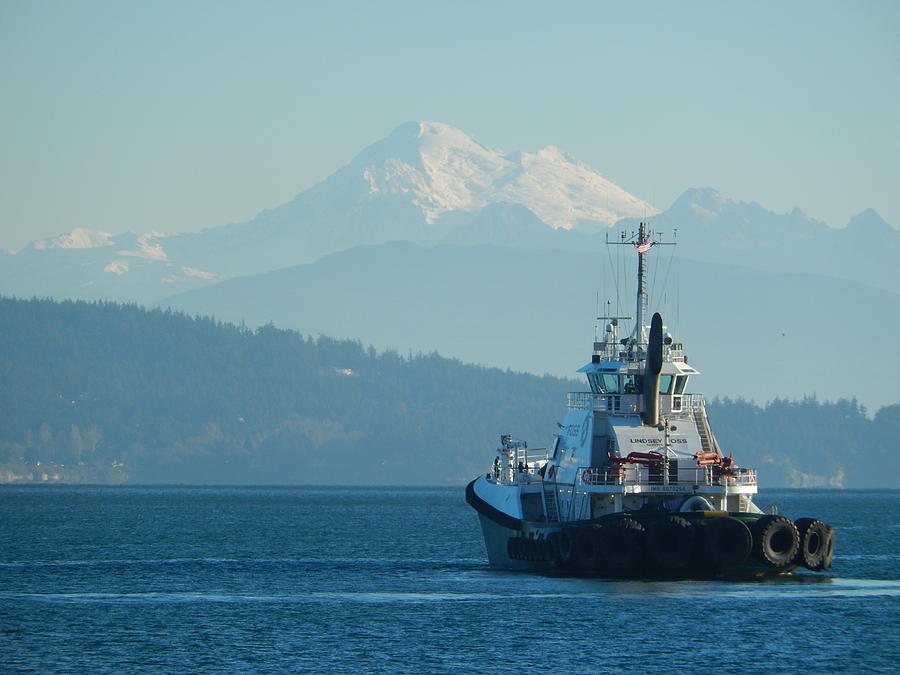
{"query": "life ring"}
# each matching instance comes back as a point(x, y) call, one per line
point(670, 542)
point(622, 545)
point(816, 542)
point(586, 477)
point(775, 540)
point(728, 542)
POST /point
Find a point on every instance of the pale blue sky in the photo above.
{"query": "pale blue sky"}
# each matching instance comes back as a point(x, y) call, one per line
point(182, 115)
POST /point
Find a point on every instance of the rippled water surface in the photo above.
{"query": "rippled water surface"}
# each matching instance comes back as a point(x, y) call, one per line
point(395, 580)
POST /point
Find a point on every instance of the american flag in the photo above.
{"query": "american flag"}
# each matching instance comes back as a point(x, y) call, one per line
point(643, 247)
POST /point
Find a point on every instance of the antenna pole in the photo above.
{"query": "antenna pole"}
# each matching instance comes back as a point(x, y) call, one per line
point(641, 293)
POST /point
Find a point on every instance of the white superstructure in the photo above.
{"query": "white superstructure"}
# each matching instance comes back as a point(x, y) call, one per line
point(608, 456)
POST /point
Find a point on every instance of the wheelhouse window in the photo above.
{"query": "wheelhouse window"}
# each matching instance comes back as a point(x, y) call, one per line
point(680, 382)
point(665, 384)
point(609, 383)
point(631, 384)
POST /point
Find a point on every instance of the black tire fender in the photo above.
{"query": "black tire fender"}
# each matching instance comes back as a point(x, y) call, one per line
point(566, 547)
point(622, 545)
point(552, 550)
point(775, 540)
point(815, 540)
point(727, 542)
point(829, 551)
point(670, 542)
point(587, 548)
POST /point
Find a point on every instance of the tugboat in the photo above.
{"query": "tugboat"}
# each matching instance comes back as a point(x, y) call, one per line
point(635, 484)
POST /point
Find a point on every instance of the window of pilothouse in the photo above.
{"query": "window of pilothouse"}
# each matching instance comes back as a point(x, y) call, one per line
point(609, 383)
point(665, 384)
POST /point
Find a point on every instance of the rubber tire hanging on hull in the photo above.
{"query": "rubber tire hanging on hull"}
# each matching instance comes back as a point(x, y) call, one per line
point(566, 547)
point(816, 547)
point(622, 545)
point(587, 548)
point(670, 542)
point(829, 551)
point(775, 541)
point(727, 542)
point(552, 551)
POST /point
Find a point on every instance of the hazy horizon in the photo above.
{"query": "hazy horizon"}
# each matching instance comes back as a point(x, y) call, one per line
point(174, 117)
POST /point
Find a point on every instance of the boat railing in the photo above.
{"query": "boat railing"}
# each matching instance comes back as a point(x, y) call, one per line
point(679, 404)
point(535, 457)
point(675, 352)
point(524, 468)
point(743, 477)
point(636, 475)
point(692, 402)
point(587, 400)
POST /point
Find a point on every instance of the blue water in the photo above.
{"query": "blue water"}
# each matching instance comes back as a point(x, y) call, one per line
point(338, 580)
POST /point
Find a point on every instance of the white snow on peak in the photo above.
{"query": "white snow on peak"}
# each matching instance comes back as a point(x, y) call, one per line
point(80, 237)
point(189, 273)
point(444, 169)
point(148, 247)
point(198, 274)
point(117, 267)
point(702, 212)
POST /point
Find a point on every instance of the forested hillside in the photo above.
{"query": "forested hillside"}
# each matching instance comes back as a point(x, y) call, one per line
point(122, 393)
point(809, 443)
point(100, 392)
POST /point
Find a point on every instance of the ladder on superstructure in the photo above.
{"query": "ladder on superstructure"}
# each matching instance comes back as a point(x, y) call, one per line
point(706, 442)
point(551, 505)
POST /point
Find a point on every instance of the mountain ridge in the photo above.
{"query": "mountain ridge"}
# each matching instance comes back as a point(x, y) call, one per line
point(532, 309)
point(431, 183)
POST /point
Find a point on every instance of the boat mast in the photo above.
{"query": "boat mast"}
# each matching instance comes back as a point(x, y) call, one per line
point(642, 245)
point(643, 242)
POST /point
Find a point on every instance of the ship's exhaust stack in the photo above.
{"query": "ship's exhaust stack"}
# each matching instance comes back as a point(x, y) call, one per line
point(651, 372)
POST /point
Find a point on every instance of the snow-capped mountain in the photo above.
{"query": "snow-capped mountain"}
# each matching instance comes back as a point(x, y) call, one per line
point(441, 170)
point(430, 183)
point(420, 183)
point(80, 237)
